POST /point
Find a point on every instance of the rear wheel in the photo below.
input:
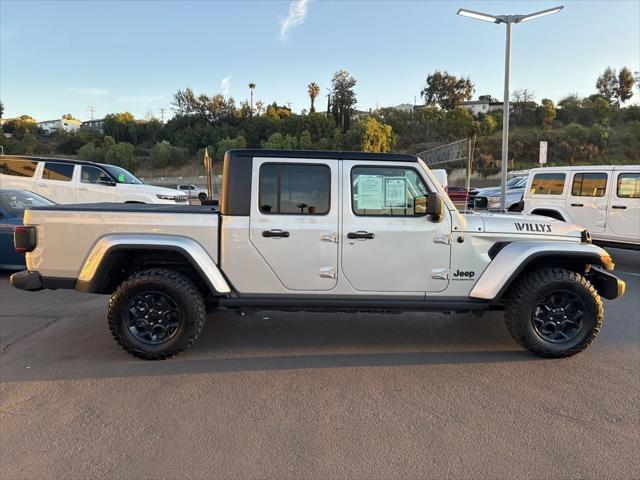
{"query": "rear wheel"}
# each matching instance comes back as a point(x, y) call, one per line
point(554, 312)
point(156, 314)
point(202, 197)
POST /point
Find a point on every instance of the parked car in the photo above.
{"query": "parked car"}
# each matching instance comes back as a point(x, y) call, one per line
point(605, 199)
point(490, 198)
point(328, 231)
point(13, 203)
point(193, 191)
point(72, 181)
point(457, 194)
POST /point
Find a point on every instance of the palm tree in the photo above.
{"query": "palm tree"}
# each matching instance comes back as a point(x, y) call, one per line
point(252, 87)
point(314, 90)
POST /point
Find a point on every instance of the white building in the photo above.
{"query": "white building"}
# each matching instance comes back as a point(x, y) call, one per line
point(481, 106)
point(64, 124)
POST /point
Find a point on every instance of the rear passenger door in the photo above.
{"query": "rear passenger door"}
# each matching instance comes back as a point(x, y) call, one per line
point(56, 182)
point(294, 220)
point(587, 200)
point(624, 206)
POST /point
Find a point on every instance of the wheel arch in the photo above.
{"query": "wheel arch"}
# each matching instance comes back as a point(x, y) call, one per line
point(519, 257)
point(115, 258)
point(551, 213)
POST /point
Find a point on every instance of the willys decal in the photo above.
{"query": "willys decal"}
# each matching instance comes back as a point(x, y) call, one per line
point(532, 227)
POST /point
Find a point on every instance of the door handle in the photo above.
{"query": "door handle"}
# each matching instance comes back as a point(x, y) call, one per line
point(577, 205)
point(275, 234)
point(43, 185)
point(619, 207)
point(360, 235)
point(82, 188)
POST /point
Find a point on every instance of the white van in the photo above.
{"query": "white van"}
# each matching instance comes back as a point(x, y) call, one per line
point(603, 199)
point(71, 181)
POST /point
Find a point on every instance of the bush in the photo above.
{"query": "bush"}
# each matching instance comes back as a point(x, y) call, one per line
point(576, 132)
point(120, 154)
point(165, 155)
point(91, 153)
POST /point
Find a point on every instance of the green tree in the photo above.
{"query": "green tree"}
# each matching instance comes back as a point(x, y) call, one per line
point(625, 85)
point(488, 98)
point(547, 112)
point(252, 87)
point(314, 89)
point(305, 142)
point(447, 90)
point(599, 136)
point(376, 136)
point(229, 144)
point(277, 141)
point(343, 98)
point(120, 154)
point(576, 132)
point(489, 124)
point(165, 155)
point(91, 152)
point(607, 84)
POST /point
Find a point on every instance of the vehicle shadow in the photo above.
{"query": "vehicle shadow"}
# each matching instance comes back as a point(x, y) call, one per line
point(284, 341)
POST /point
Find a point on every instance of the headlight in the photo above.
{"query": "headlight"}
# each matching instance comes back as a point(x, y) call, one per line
point(494, 201)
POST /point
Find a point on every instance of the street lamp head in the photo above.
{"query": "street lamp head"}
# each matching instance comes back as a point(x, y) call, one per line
point(479, 16)
point(541, 13)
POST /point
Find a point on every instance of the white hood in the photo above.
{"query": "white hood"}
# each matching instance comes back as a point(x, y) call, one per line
point(516, 223)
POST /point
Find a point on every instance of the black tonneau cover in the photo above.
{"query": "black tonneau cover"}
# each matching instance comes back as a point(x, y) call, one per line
point(131, 207)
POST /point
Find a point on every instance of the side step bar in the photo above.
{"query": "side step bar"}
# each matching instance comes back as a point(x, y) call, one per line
point(353, 304)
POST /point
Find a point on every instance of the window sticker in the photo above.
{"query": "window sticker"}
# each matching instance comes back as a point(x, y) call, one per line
point(369, 192)
point(395, 191)
point(121, 178)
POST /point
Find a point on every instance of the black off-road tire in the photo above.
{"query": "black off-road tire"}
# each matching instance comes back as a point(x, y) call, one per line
point(187, 298)
point(524, 295)
point(202, 197)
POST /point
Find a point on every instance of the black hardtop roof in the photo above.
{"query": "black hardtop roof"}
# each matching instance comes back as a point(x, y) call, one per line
point(53, 159)
point(323, 154)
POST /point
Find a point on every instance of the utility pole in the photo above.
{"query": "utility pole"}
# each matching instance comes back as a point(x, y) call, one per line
point(162, 115)
point(92, 110)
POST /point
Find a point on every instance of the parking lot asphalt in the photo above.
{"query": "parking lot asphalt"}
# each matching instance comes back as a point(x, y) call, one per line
point(292, 395)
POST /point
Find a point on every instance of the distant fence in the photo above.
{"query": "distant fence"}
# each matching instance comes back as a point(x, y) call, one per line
point(198, 180)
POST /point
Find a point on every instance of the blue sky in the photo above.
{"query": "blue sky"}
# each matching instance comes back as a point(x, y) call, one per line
point(63, 56)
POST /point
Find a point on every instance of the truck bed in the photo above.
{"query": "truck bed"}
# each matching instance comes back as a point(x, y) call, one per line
point(67, 234)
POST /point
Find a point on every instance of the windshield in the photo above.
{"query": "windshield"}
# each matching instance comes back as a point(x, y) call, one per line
point(121, 175)
point(17, 201)
point(514, 181)
point(522, 182)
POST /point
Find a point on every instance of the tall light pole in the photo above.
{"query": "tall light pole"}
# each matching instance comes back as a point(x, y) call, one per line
point(508, 20)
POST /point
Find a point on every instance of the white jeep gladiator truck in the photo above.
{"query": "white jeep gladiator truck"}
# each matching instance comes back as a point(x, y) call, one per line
point(321, 231)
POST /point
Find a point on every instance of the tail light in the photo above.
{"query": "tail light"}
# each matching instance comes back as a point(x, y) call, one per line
point(24, 239)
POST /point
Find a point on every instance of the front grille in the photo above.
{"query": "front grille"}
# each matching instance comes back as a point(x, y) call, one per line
point(480, 202)
point(470, 199)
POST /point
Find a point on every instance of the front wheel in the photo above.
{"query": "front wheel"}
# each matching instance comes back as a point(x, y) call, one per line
point(156, 314)
point(553, 312)
point(202, 197)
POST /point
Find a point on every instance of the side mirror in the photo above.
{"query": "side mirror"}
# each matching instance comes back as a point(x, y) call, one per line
point(434, 206)
point(106, 181)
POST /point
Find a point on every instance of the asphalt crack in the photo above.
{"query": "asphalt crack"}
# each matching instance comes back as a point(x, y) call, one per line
point(42, 328)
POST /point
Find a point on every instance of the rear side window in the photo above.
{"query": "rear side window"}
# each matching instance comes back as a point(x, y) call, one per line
point(294, 189)
point(58, 171)
point(17, 167)
point(589, 185)
point(628, 185)
point(548, 184)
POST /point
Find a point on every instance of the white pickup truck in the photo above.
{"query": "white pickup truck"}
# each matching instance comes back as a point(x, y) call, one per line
point(327, 231)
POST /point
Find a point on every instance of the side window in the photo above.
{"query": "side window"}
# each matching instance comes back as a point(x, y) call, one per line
point(589, 185)
point(548, 184)
point(58, 171)
point(17, 167)
point(628, 185)
point(93, 175)
point(294, 189)
point(383, 191)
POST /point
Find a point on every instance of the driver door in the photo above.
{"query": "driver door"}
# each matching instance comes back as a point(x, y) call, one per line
point(95, 186)
point(388, 242)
